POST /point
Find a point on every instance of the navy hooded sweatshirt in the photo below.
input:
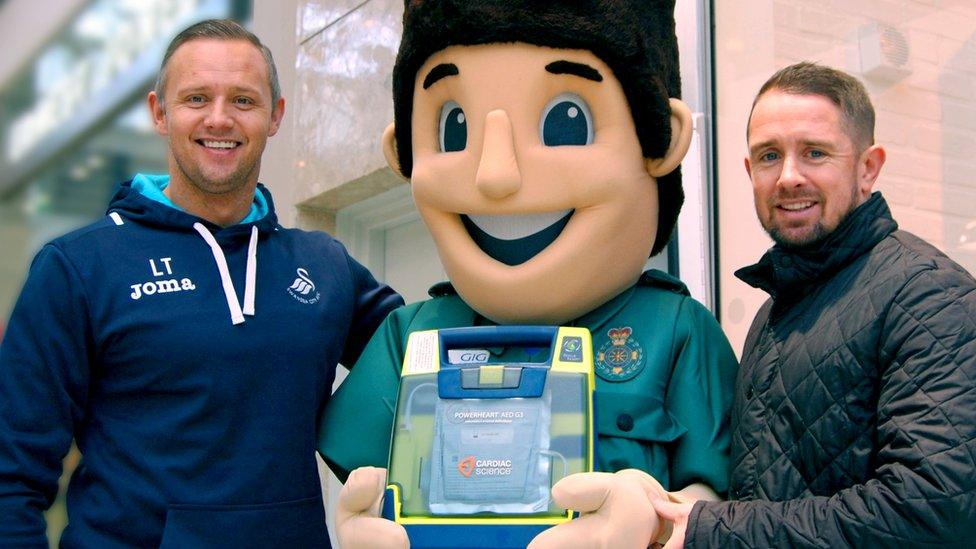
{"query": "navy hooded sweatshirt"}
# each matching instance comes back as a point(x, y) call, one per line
point(190, 363)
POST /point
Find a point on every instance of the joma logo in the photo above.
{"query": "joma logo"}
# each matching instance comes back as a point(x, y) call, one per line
point(152, 287)
point(161, 287)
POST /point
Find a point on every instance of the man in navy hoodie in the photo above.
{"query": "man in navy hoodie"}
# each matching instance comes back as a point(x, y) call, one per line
point(187, 342)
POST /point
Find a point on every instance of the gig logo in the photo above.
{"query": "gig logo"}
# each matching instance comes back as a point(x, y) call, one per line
point(468, 356)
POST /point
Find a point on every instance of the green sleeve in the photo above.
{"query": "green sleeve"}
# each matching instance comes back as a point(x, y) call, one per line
point(354, 429)
point(699, 398)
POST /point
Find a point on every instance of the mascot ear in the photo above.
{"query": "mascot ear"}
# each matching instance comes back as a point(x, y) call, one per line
point(681, 127)
point(390, 150)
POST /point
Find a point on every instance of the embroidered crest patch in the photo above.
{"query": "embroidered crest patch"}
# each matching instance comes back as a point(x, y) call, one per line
point(303, 289)
point(620, 358)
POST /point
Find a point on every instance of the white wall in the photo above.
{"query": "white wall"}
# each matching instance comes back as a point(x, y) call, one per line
point(276, 26)
point(926, 120)
point(335, 59)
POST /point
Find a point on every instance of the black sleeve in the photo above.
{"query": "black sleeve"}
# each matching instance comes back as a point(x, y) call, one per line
point(923, 491)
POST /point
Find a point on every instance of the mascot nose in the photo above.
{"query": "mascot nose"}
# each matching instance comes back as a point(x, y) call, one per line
point(498, 173)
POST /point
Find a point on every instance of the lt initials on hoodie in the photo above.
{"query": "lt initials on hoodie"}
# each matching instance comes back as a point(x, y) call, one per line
point(158, 270)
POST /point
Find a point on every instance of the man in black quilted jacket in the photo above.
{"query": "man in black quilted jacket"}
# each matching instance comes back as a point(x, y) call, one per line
point(854, 422)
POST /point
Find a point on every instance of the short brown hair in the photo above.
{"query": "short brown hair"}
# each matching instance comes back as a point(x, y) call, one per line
point(218, 29)
point(842, 89)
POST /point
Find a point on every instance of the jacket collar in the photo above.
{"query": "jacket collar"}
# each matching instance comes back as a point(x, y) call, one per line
point(783, 272)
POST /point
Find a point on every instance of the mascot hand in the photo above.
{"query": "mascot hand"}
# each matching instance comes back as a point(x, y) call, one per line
point(615, 511)
point(358, 524)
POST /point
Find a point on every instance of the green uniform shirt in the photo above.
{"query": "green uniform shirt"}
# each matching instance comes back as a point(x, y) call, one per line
point(665, 376)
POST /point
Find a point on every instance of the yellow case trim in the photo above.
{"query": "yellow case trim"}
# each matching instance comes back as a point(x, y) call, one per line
point(422, 356)
point(585, 367)
point(461, 520)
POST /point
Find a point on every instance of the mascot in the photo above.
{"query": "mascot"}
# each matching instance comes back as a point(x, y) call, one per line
point(542, 140)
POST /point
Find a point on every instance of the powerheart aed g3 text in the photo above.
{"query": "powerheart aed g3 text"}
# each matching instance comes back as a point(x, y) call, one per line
point(487, 420)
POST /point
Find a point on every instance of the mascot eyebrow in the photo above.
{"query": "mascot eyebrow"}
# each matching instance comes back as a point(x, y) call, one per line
point(440, 71)
point(577, 69)
point(556, 67)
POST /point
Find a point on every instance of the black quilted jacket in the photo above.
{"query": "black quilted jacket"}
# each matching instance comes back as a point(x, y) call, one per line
point(854, 422)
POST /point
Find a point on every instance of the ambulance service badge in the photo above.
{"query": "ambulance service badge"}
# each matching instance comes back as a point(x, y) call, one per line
point(620, 358)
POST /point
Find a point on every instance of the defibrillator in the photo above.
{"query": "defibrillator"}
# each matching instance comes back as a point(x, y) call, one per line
point(488, 419)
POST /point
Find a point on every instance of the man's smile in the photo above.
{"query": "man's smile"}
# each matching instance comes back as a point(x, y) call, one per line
point(218, 144)
point(797, 206)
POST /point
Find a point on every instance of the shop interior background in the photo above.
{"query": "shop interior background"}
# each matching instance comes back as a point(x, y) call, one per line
point(73, 124)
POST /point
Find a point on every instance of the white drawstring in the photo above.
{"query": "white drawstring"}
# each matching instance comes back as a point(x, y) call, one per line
point(252, 271)
point(236, 315)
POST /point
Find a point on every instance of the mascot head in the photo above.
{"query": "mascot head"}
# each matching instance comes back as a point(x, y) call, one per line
point(542, 139)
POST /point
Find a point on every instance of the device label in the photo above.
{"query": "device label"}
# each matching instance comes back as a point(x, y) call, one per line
point(572, 349)
point(468, 356)
point(422, 350)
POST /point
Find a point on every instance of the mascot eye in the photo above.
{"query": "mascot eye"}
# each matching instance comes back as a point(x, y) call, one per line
point(453, 128)
point(566, 120)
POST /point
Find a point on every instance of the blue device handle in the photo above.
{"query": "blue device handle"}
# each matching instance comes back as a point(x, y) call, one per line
point(496, 336)
point(533, 377)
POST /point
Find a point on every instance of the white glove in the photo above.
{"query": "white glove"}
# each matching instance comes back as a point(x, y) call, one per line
point(358, 522)
point(615, 511)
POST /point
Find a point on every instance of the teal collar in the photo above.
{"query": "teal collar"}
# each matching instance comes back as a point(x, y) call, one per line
point(152, 186)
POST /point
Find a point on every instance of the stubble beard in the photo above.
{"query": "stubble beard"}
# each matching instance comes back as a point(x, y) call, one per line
point(815, 235)
point(234, 181)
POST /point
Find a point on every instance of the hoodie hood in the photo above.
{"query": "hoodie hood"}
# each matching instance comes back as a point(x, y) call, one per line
point(142, 201)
